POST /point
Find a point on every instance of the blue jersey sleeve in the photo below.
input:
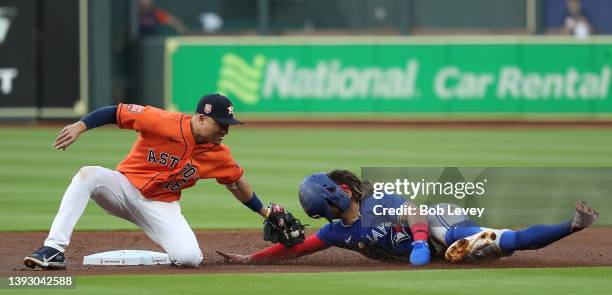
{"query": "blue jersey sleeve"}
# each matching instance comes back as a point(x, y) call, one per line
point(325, 234)
point(372, 209)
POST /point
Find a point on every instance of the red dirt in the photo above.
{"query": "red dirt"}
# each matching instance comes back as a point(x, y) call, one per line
point(592, 247)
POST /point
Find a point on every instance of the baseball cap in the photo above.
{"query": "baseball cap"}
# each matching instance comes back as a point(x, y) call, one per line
point(218, 107)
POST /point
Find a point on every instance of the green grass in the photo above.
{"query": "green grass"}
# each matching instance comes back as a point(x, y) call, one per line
point(477, 281)
point(34, 176)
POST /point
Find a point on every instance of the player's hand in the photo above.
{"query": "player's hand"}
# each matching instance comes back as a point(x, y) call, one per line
point(69, 135)
point(282, 227)
point(420, 255)
point(274, 209)
point(234, 258)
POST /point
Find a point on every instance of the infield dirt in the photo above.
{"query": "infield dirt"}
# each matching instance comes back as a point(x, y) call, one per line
point(591, 247)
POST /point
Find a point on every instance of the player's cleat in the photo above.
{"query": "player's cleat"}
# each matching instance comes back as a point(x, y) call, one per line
point(489, 252)
point(470, 246)
point(585, 216)
point(46, 258)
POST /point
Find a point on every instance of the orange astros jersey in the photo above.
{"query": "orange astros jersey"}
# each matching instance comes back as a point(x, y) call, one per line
point(165, 158)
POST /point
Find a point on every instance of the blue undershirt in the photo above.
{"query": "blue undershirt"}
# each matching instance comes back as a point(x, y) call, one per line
point(101, 117)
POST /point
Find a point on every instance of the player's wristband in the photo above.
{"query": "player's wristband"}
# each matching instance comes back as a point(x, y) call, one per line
point(254, 203)
point(420, 232)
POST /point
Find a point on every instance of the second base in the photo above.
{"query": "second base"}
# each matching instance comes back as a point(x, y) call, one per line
point(127, 257)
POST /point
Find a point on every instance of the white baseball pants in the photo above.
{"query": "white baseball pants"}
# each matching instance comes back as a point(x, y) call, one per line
point(161, 221)
point(439, 225)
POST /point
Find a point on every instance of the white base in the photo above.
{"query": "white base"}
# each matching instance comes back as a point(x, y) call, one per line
point(127, 257)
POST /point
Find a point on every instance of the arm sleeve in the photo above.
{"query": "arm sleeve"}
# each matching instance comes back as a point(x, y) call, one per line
point(145, 119)
point(277, 252)
point(227, 169)
point(325, 234)
point(100, 117)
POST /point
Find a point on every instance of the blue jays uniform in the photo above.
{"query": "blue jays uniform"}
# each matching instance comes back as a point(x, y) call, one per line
point(380, 237)
point(384, 237)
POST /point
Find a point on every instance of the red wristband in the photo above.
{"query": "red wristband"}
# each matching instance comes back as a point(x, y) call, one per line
point(420, 231)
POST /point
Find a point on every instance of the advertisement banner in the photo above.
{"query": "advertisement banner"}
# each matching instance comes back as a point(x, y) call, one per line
point(394, 77)
point(18, 83)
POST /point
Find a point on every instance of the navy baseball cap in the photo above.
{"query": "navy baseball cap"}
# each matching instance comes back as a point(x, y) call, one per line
point(219, 108)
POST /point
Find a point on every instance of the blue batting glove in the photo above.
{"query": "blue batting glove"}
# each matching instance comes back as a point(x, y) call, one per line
point(420, 254)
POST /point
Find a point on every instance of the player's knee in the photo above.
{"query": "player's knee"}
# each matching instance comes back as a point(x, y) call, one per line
point(187, 259)
point(87, 173)
point(87, 178)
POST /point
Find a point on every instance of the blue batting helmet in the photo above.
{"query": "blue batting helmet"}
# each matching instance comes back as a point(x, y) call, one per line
point(317, 192)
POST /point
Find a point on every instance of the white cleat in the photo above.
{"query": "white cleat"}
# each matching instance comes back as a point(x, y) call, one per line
point(470, 246)
point(585, 216)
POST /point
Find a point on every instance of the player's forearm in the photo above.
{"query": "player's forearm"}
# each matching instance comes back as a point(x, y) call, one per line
point(417, 223)
point(279, 252)
point(100, 117)
point(81, 126)
point(415, 217)
point(243, 192)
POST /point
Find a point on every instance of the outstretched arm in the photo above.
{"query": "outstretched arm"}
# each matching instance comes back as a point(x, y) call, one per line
point(70, 133)
point(279, 225)
point(242, 191)
point(416, 222)
point(277, 252)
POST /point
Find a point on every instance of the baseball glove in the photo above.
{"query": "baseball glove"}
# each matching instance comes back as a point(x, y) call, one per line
point(282, 227)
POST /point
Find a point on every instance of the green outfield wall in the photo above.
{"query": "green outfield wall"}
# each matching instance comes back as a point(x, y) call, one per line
point(496, 75)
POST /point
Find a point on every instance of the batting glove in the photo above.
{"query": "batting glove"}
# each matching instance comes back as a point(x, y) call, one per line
point(420, 255)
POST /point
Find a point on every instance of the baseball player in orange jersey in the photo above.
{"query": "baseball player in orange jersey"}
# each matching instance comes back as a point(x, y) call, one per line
point(172, 152)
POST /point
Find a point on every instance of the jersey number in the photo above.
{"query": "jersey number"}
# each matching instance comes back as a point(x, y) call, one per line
point(174, 185)
point(187, 172)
